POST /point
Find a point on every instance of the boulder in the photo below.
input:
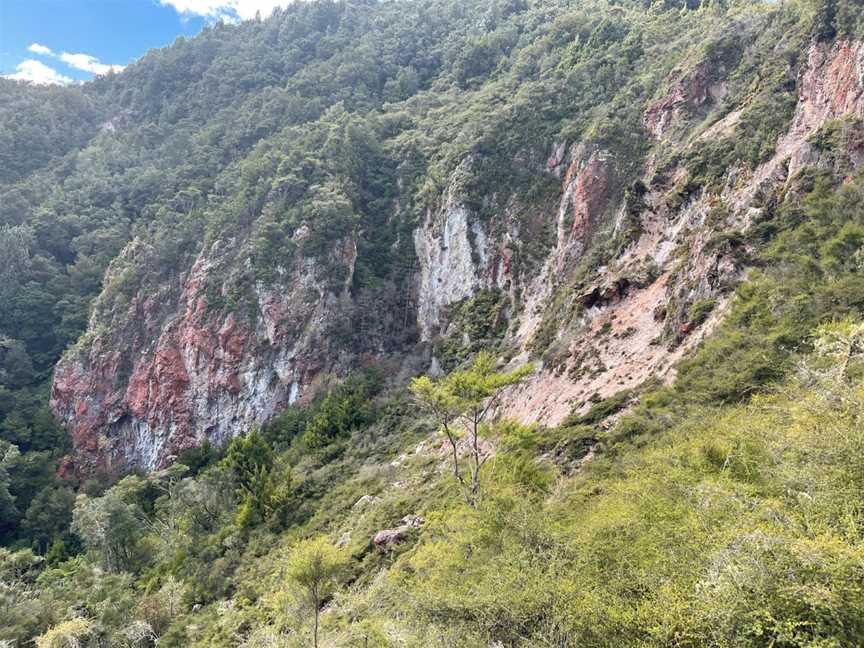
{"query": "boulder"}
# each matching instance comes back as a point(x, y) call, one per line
point(387, 539)
point(413, 521)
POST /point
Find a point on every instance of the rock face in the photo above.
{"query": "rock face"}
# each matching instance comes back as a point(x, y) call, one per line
point(585, 193)
point(453, 255)
point(633, 322)
point(627, 314)
point(177, 371)
point(458, 256)
point(686, 94)
point(173, 368)
point(830, 87)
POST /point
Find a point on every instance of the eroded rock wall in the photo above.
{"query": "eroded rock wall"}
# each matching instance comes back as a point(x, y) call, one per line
point(196, 372)
point(633, 324)
point(173, 369)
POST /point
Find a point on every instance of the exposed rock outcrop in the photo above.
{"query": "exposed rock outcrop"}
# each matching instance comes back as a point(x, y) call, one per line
point(624, 337)
point(453, 253)
point(586, 192)
point(180, 371)
point(458, 256)
point(172, 367)
point(831, 86)
point(687, 93)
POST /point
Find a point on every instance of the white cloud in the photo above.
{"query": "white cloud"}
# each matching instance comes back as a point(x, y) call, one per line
point(39, 73)
point(83, 62)
point(88, 63)
point(225, 9)
point(36, 48)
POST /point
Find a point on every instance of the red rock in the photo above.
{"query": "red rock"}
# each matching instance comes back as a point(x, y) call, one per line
point(66, 468)
point(686, 93)
point(167, 371)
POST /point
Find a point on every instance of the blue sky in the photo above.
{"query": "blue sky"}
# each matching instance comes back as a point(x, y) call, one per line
point(63, 41)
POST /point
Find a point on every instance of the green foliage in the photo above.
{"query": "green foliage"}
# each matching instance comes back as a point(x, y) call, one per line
point(313, 567)
point(345, 408)
point(246, 459)
point(699, 311)
point(8, 511)
point(198, 458)
point(721, 533)
point(602, 409)
point(64, 635)
point(262, 488)
point(111, 527)
point(808, 275)
point(466, 392)
point(16, 368)
point(281, 431)
point(847, 19)
point(293, 141)
point(722, 510)
point(735, 528)
point(48, 517)
point(766, 116)
point(482, 318)
point(39, 124)
point(464, 399)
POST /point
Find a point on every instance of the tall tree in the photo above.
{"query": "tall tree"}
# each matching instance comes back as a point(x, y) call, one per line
point(464, 400)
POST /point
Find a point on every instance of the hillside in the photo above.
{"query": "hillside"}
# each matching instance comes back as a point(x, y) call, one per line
point(621, 240)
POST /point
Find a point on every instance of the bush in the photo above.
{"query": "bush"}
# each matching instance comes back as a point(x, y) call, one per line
point(345, 408)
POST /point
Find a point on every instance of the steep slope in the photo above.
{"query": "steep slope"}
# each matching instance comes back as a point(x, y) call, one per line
point(637, 324)
point(209, 376)
point(588, 250)
point(247, 244)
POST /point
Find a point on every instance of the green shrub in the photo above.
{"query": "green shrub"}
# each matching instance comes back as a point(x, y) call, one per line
point(347, 407)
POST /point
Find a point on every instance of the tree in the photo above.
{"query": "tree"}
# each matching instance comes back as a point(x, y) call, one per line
point(109, 526)
point(49, 515)
point(344, 409)
point(465, 399)
point(314, 567)
point(262, 486)
point(824, 26)
point(16, 368)
point(246, 459)
point(69, 634)
point(9, 513)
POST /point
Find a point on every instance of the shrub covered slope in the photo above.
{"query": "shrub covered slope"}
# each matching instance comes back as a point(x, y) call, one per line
point(719, 508)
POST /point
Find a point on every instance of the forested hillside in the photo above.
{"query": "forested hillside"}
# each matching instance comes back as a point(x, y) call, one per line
point(441, 323)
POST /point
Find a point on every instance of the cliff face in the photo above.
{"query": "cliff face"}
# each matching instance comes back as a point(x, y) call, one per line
point(178, 365)
point(172, 370)
point(831, 87)
point(637, 319)
point(453, 251)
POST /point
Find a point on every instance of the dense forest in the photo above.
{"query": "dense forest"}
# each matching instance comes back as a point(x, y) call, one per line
point(722, 508)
